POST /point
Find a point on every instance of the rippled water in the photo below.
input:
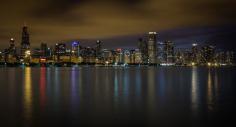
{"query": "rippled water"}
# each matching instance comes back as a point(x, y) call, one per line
point(92, 96)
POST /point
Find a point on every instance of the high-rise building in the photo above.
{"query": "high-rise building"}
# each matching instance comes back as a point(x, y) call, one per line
point(60, 50)
point(127, 57)
point(208, 54)
point(25, 42)
point(44, 50)
point(152, 48)
point(12, 48)
point(195, 54)
point(229, 57)
point(98, 48)
point(75, 48)
point(168, 52)
point(143, 48)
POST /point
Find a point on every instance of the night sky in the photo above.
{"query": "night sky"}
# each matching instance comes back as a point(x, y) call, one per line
point(119, 22)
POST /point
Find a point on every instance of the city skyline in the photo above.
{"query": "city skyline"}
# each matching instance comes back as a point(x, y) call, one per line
point(148, 51)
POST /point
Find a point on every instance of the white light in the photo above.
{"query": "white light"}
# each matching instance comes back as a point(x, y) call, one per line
point(152, 33)
point(194, 44)
point(209, 64)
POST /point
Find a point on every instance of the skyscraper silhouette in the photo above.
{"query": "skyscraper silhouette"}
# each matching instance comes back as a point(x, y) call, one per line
point(25, 43)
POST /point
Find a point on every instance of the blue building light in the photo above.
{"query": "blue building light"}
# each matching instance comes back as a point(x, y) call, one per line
point(75, 43)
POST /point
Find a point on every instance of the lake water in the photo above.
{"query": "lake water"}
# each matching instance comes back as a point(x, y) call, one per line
point(93, 96)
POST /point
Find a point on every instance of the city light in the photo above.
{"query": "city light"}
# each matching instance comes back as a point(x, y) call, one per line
point(209, 64)
point(149, 52)
point(194, 44)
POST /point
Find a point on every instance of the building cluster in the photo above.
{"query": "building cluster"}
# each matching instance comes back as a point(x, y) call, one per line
point(148, 52)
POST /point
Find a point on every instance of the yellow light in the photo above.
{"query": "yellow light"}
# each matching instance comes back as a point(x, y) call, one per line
point(193, 64)
point(209, 64)
point(28, 93)
point(216, 64)
point(27, 52)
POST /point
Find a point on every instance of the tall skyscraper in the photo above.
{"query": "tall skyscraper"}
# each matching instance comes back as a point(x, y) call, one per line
point(75, 48)
point(195, 54)
point(25, 42)
point(152, 47)
point(98, 48)
point(208, 54)
point(143, 48)
point(12, 48)
point(44, 49)
point(169, 52)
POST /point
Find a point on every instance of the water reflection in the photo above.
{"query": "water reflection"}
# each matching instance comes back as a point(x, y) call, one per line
point(210, 91)
point(126, 86)
point(74, 89)
point(138, 84)
point(151, 90)
point(116, 86)
point(27, 94)
point(194, 89)
point(56, 88)
point(144, 96)
point(42, 88)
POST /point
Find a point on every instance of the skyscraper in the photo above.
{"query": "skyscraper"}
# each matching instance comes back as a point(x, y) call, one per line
point(143, 48)
point(98, 48)
point(44, 49)
point(169, 52)
point(152, 47)
point(75, 48)
point(208, 54)
point(195, 54)
point(12, 48)
point(25, 43)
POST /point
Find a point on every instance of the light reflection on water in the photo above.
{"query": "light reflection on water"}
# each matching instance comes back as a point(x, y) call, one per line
point(42, 88)
point(148, 95)
point(195, 89)
point(28, 91)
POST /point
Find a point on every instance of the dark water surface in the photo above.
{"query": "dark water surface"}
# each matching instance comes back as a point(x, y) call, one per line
point(90, 96)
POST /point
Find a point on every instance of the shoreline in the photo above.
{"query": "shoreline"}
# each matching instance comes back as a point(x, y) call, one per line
point(2, 65)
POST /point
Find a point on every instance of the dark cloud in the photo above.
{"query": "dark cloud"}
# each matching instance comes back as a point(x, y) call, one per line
point(61, 20)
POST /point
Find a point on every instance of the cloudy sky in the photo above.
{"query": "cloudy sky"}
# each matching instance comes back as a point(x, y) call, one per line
point(55, 21)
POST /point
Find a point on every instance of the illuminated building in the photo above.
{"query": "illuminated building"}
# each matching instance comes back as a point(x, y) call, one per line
point(152, 47)
point(195, 54)
point(132, 56)
point(208, 54)
point(25, 43)
point(12, 48)
point(10, 53)
point(75, 51)
point(143, 48)
point(138, 56)
point(107, 56)
point(168, 52)
point(44, 50)
point(126, 57)
point(179, 60)
point(60, 50)
point(98, 48)
point(119, 56)
point(229, 58)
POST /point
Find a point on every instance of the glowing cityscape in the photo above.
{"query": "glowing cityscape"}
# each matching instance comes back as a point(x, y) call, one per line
point(148, 52)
